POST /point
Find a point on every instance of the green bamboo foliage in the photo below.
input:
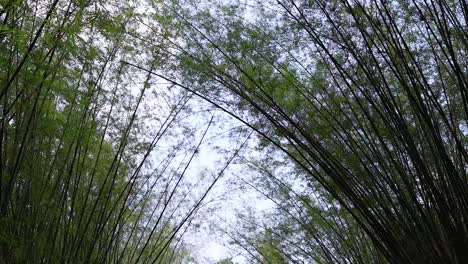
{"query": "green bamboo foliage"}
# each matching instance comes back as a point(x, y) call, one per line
point(77, 181)
point(367, 97)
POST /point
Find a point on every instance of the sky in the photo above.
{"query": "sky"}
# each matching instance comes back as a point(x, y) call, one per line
point(225, 200)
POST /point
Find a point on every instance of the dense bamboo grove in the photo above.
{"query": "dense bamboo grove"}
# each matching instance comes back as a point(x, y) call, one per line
point(369, 98)
point(76, 181)
point(359, 109)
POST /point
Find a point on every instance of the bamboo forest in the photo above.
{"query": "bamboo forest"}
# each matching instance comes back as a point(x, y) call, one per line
point(234, 131)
